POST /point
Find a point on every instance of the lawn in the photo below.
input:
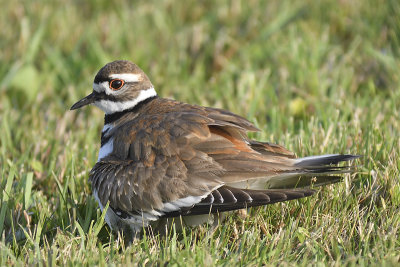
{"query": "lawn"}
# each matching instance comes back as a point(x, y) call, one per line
point(315, 76)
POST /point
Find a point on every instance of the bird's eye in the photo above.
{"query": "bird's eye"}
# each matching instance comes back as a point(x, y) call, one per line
point(116, 84)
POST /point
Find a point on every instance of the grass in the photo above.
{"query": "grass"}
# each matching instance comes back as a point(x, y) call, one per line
point(315, 76)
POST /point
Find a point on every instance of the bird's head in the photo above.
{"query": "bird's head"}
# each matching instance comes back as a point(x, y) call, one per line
point(118, 86)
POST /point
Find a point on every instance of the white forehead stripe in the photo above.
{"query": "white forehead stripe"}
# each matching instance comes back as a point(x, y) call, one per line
point(100, 87)
point(110, 107)
point(127, 77)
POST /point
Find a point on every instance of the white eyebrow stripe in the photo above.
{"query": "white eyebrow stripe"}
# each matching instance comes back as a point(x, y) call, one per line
point(127, 77)
point(100, 87)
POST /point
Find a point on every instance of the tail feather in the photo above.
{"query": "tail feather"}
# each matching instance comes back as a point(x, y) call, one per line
point(287, 185)
point(310, 171)
point(324, 160)
point(314, 170)
point(302, 181)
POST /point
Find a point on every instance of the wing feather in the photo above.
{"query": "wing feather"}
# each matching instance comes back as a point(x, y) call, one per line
point(184, 156)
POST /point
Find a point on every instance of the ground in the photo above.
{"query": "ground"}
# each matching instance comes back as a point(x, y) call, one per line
point(315, 76)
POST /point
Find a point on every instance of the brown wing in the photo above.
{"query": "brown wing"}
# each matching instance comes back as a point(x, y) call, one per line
point(174, 154)
point(155, 163)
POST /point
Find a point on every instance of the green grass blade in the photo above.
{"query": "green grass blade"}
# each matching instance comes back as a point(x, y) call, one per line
point(4, 203)
point(28, 189)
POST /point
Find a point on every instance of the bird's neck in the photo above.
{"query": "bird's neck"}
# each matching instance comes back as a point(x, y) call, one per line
point(111, 118)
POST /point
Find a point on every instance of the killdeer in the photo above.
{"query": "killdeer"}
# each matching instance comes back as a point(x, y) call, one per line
point(161, 158)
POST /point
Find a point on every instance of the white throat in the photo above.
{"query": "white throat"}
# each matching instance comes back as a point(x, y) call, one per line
point(110, 107)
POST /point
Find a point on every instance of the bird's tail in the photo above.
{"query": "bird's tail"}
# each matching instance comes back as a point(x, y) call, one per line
point(313, 170)
point(285, 185)
point(304, 172)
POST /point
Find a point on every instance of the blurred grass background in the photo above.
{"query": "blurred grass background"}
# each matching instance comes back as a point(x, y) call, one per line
point(315, 76)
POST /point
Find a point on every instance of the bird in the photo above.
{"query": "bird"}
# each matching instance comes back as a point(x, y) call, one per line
point(162, 160)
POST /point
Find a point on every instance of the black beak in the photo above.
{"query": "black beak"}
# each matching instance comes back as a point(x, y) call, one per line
point(84, 101)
